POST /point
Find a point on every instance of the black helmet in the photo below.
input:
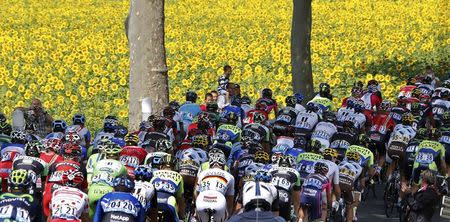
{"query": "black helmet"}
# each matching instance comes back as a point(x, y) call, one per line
point(286, 161)
point(159, 123)
point(230, 118)
point(78, 119)
point(329, 117)
point(267, 93)
point(324, 88)
point(2, 118)
point(163, 145)
point(321, 168)
point(291, 101)
point(246, 100)
point(236, 101)
point(427, 80)
point(168, 112)
point(191, 96)
point(175, 105)
point(212, 107)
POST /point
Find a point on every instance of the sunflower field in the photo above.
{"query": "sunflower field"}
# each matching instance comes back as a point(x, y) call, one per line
point(73, 54)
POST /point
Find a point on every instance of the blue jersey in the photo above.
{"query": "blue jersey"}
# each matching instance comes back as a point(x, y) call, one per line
point(55, 135)
point(119, 206)
point(18, 207)
point(188, 111)
point(234, 109)
point(294, 152)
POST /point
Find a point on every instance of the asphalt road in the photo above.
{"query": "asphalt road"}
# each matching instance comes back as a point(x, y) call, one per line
point(372, 209)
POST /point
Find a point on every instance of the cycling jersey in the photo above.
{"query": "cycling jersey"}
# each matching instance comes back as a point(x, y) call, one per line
point(306, 120)
point(366, 156)
point(285, 179)
point(399, 139)
point(83, 132)
point(169, 187)
point(256, 193)
point(150, 139)
point(312, 189)
point(410, 156)
point(287, 115)
point(396, 113)
point(9, 152)
point(131, 157)
point(341, 141)
point(252, 113)
point(195, 154)
point(101, 136)
point(106, 170)
point(257, 131)
point(426, 89)
point(236, 110)
point(324, 104)
point(19, 207)
point(344, 113)
point(271, 104)
point(294, 152)
point(92, 161)
point(55, 135)
point(382, 124)
point(333, 171)
point(428, 153)
point(188, 111)
point(145, 193)
point(247, 108)
point(217, 180)
point(243, 161)
point(323, 133)
point(406, 91)
point(36, 169)
point(306, 162)
point(4, 139)
point(420, 111)
point(299, 107)
point(50, 157)
point(348, 174)
point(228, 133)
point(445, 141)
point(68, 204)
point(119, 206)
point(371, 100)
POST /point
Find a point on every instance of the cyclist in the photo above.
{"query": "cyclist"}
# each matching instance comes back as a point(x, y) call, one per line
point(268, 101)
point(68, 202)
point(425, 85)
point(372, 98)
point(9, 151)
point(78, 125)
point(228, 131)
point(410, 153)
point(315, 187)
point(19, 205)
point(132, 155)
point(259, 132)
point(396, 111)
point(324, 130)
point(235, 107)
point(306, 120)
point(246, 104)
point(58, 129)
point(105, 171)
point(430, 156)
point(349, 172)
point(356, 94)
point(329, 158)
point(159, 132)
point(324, 99)
point(145, 192)
point(358, 117)
point(169, 188)
point(120, 205)
point(439, 107)
point(215, 189)
point(367, 161)
point(110, 124)
point(346, 136)
point(260, 194)
point(445, 138)
point(189, 109)
point(382, 126)
point(287, 180)
point(298, 103)
point(258, 114)
point(306, 161)
point(37, 168)
point(398, 142)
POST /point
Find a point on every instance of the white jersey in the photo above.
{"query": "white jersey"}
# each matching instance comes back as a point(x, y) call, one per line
point(323, 133)
point(351, 166)
point(306, 120)
point(440, 106)
point(81, 131)
point(299, 107)
point(402, 133)
point(247, 108)
point(144, 192)
point(358, 119)
point(259, 190)
point(288, 141)
point(344, 113)
point(217, 180)
point(68, 203)
point(333, 171)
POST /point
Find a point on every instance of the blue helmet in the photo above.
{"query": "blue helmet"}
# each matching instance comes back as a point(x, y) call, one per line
point(78, 119)
point(59, 125)
point(299, 97)
point(123, 181)
point(143, 173)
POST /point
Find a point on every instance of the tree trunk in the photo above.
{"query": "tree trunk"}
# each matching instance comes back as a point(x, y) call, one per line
point(302, 80)
point(148, 69)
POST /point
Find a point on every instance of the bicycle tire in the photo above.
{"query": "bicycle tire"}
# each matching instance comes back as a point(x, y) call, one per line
point(389, 198)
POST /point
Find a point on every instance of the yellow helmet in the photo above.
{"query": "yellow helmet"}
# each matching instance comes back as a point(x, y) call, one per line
point(330, 152)
point(352, 155)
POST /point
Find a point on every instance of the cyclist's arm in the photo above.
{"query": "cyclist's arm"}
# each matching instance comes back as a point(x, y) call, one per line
point(180, 200)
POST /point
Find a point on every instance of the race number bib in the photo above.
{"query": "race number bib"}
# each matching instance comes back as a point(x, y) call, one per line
point(212, 184)
point(281, 182)
point(121, 206)
point(64, 212)
point(424, 158)
point(129, 161)
point(284, 118)
point(6, 211)
point(164, 186)
point(56, 176)
point(102, 177)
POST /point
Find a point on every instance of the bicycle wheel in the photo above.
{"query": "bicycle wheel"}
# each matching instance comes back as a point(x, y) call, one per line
point(390, 198)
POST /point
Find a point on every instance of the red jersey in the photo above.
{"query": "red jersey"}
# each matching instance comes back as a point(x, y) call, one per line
point(193, 130)
point(131, 157)
point(50, 158)
point(5, 167)
point(251, 116)
point(382, 123)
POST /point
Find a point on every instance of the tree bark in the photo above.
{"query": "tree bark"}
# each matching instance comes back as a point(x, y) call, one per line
point(302, 80)
point(148, 69)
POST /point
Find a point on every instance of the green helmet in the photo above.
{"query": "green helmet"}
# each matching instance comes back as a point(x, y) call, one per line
point(112, 150)
point(19, 179)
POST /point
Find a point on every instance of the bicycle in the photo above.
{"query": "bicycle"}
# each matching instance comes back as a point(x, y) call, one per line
point(391, 194)
point(210, 213)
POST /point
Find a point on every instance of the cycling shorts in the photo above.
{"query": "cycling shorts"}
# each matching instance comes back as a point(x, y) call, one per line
point(416, 173)
point(312, 200)
point(167, 207)
point(214, 200)
point(396, 150)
